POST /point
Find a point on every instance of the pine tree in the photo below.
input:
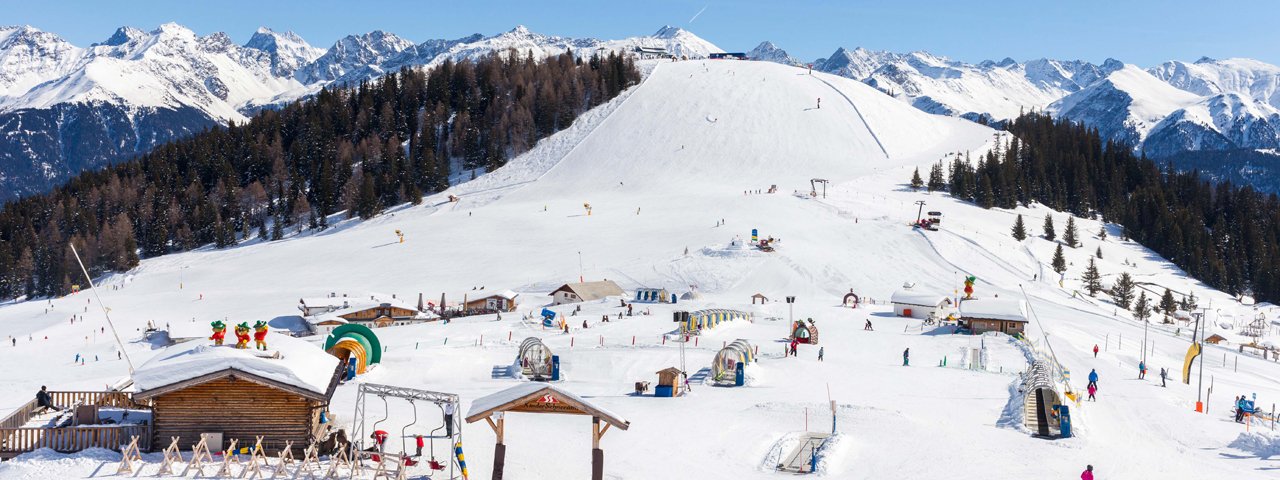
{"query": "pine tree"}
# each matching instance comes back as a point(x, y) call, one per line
point(1019, 229)
point(1102, 233)
point(916, 181)
point(1122, 291)
point(936, 181)
point(1069, 236)
point(1167, 303)
point(1142, 308)
point(1092, 279)
point(1098, 253)
point(1059, 262)
point(1048, 228)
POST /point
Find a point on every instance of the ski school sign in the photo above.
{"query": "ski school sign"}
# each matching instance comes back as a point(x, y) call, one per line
point(548, 403)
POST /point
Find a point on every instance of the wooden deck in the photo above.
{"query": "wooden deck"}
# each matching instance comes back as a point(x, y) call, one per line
point(16, 438)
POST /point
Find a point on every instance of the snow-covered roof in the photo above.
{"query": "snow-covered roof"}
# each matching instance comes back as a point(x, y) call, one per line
point(592, 290)
point(535, 391)
point(299, 364)
point(994, 309)
point(507, 294)
point(911, 296)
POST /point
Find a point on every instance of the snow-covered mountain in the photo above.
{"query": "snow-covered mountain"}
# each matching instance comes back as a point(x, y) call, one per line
point(1125, 105)
point(64, 109)
point(939, 85)
point(352, 54)
point(288, 51)
point(768, 52)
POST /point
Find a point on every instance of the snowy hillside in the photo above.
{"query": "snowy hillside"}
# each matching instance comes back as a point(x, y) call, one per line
point(671, 171)
point(64, 109)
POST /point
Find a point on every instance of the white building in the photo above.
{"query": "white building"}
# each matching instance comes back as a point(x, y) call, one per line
point(913, 303)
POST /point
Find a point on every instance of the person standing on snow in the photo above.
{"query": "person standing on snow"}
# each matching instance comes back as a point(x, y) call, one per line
point(1092, 389)
point(906, 357)
point(1095, 350)
point(819, 103)
point(1088, 473)
point(820, 351)
point(1093, 378)
point(868, 325)
point(1142, 370)
point(1164, 376)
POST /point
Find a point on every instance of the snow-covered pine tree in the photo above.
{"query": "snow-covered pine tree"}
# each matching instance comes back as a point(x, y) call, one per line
point(1092, 279)
point(1059, 262)
point(1048, 228)
point(1102, 233)
point(1122, 291)
point(916, 181)
point(1098, 253)
point(1019, 229)
point(1069, 236)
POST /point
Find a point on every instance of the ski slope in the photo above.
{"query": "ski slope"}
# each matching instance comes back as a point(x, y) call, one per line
point(661, 167)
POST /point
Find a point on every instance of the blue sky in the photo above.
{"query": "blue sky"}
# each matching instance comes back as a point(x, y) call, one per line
point(1144, 32)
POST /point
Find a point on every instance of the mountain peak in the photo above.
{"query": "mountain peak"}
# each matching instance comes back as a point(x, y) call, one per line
point(123, 35)
point(520, 30)
point(668, 31)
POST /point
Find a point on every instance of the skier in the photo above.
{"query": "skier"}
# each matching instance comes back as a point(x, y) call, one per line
point(819, 102)
point(906, 357)
point(1093, 389)
point(1164, 376)
point(1142, 370)
point(794, 345)
point(868, 326)
point(820, 352)
point(1088, 473)
point(1093, 377)
point(1095, 350)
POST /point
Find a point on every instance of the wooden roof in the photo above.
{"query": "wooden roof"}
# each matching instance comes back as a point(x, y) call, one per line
point(591, 290)
point(539, 398)
point(668, 370)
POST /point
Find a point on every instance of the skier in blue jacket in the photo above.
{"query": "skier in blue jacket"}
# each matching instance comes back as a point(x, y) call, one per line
point(1093, 377)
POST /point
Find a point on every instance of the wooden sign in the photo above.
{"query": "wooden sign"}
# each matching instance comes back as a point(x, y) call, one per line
point(548, 403)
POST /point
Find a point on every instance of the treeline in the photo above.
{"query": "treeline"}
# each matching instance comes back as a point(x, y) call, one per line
point(359, 149)
point(1224, 235)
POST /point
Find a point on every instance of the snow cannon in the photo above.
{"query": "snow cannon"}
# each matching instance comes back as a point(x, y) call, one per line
point(968, 286)
point(355, 342)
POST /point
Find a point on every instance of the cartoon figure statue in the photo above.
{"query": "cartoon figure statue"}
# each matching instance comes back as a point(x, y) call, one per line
point(260, 335)
point(242, 335)
point(968, 286)
point(219, 332)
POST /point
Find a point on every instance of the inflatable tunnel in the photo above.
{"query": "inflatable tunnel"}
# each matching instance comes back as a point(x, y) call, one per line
point(352, 341)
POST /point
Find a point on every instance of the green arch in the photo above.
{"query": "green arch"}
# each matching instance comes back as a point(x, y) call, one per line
point(361, 334)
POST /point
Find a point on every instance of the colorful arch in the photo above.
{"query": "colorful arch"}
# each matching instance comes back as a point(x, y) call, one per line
point(355, 341)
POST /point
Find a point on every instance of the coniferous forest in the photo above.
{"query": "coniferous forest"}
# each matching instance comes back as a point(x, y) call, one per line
point(1224, 235)
point(356, 150)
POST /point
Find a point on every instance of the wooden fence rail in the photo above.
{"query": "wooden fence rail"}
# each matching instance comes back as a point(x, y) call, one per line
point(14, 441)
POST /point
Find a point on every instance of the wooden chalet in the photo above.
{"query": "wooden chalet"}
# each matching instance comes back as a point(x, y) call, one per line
point(994, 315)
point(196, 388)
point(325, 314)
point(504, 301)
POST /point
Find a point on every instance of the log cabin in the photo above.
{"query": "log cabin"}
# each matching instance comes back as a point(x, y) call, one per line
point(281, 394)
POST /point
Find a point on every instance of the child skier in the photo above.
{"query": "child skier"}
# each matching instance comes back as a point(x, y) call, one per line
point(1093, 389)
point(1095, 350)
point(906, 357)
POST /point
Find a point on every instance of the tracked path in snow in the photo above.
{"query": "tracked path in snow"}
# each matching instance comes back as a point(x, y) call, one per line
point(860, 116)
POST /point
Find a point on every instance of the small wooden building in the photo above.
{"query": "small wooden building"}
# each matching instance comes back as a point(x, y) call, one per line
point(504, 301)
point(994, 315)
point(668, 383)
point(1215, 339)
point(585, 292)
point(196, 388)
point(374, 311)
point(760, 297)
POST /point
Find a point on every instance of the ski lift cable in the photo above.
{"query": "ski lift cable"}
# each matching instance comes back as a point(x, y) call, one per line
point(94, 288)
